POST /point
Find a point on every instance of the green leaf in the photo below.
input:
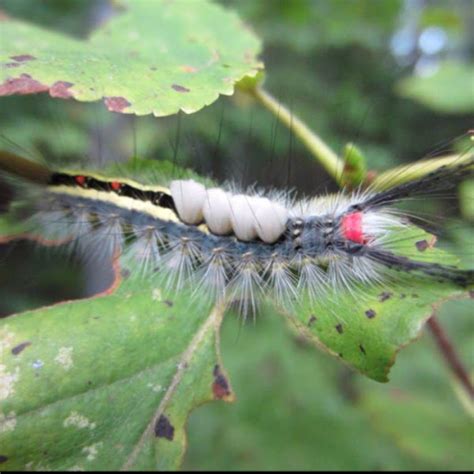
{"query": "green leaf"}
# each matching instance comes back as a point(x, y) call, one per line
point(368, 326)
point(107, 383)
point(152, 57)
point(448, 90)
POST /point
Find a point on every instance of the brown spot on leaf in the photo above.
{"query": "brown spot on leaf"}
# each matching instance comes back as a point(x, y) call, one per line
point(20, 347)
point(312, 319)
point(471, 294)
point(370, 313)
point(61, 90)
point(3, 458)
point(24, 84)
point(10, 65)
point(23, 58)
point(339, 328)
point(189, 69)
point(422, 245)
point(116, 104)
point(385, 296)
point(220, 387)
point(179, 88)
point(414, 295)
point(164, 429)
point(168, 303)
point(361, 347)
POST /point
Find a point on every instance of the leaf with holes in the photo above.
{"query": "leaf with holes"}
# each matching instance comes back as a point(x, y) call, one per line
point(107, 383)
point(150, 58)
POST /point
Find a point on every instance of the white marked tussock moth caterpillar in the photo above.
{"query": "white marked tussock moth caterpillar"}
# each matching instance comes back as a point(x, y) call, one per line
point(235, 245)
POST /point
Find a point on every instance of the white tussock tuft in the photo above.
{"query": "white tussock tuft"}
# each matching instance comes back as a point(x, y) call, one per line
point(244, 222)
point(272, 218)
point(189, 197)
point(217, 211)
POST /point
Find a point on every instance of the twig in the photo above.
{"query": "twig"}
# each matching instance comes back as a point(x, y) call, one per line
point(450, 356)
point(327, 157)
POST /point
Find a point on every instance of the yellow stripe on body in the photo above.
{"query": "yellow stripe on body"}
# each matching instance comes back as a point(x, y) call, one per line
point(124, 202)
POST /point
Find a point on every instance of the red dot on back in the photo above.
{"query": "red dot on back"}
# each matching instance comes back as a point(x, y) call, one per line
point(351, 226)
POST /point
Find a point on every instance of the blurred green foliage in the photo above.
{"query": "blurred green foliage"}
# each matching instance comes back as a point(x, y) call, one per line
point(300, 410)
point(454, 78)
point(331, 63)
point(318, 24)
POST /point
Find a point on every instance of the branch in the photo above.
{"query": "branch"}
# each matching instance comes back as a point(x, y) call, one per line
point(450, 356)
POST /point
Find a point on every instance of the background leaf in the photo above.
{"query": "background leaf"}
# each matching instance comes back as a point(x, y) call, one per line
point(153, 57)
point(455, 78)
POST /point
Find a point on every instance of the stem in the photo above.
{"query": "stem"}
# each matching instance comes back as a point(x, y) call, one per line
point(450, 356)
point(331, 162)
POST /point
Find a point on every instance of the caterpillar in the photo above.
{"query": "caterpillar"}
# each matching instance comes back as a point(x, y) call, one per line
point(232, 245)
